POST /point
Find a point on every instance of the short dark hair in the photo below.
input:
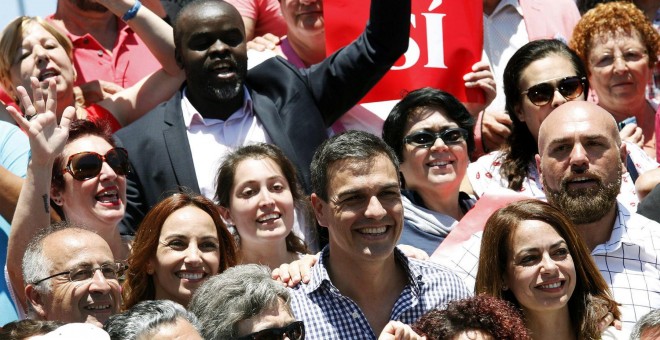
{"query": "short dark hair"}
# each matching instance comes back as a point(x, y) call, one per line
point(414, 103)
point(353, 144)
point(23, 329)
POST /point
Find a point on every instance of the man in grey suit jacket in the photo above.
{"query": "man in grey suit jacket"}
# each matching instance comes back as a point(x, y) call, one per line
point(275, 102)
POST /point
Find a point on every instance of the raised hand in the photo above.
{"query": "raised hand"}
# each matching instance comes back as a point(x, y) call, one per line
point(47, 135)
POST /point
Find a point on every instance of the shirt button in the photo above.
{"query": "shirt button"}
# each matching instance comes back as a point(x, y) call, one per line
point(100, 53)
point(355, 315)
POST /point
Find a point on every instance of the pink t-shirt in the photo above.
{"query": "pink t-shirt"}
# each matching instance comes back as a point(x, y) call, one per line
point(265, 13)
point(129, 62)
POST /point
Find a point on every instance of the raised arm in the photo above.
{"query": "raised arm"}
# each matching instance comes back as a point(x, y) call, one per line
point(47, 140)
point(157, 87)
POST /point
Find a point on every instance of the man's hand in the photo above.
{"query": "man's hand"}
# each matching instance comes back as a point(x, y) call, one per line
point(496, 128)
point(413, 252)
point(267, 41)
point(632, 133)
point(95, 91)
point(290, 274)
point(481, 77)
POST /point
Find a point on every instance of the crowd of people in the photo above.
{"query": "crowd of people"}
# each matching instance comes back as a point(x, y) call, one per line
point(202, 170)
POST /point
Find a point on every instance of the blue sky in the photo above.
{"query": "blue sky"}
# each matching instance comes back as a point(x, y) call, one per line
point(11, 9)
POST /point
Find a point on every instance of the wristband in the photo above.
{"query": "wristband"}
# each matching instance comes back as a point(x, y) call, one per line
point(131, 13)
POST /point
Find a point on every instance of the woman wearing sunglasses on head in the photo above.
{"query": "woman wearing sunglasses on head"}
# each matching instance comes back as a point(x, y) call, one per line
point(540, 76)
point(74, 163)
point(620, 47)
point(431, 134)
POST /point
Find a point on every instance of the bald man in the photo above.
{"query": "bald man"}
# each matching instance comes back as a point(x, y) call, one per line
point(70, 275)
point(581, 161)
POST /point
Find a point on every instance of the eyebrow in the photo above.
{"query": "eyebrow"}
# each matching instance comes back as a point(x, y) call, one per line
point(552, 246)
point(349, 192)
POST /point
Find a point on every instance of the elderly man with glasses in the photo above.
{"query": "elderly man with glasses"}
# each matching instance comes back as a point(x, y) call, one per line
point(71, 276)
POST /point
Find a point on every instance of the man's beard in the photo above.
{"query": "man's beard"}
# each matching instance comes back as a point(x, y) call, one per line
point(585, 205)
point(87, 5)
point(225, 91)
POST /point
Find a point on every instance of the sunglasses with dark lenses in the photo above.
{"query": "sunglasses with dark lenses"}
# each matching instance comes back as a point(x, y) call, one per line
point(294, 331)
point(426, 139)
point(85, 165)
point(570, 88)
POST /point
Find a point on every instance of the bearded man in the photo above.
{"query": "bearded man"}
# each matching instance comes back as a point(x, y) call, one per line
point(580, 160)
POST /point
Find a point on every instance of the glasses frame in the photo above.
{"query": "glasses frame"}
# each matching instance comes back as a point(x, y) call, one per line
point(119, 266)
point(278, 331)
point(582, 81)
point(464, 133)
point(119, 171)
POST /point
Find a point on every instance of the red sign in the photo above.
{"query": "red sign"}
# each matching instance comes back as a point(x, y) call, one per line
point(445, 41)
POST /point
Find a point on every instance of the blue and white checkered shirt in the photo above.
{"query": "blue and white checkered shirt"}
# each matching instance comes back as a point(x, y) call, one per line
point(330, 315)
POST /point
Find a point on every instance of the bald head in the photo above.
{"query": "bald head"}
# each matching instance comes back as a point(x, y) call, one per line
point(577, 115)
point(192, 12)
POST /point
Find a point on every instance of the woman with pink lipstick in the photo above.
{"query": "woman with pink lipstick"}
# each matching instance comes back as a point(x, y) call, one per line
point(31, 50)
point(181, 242)
point(431, 134)
point(532, 256)
point(620, 47)
point(259, 193)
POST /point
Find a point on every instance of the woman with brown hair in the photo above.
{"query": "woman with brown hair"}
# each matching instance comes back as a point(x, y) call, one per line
point(532, 256)
point(181, 242)
point(259, 195)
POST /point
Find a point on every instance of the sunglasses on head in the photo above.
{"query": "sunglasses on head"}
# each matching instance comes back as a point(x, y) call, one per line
point(426, 139)
point(569, 87)
point(86, 165)
point(294, 331)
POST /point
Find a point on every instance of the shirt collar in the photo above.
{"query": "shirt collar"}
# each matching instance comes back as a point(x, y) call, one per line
point(619, 231)
point(192, 116)
point(319, 274)
point(504, 3)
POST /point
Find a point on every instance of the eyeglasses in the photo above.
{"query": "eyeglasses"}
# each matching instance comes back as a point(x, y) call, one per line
point(426, 139)
point(570, 88)
point(85, 165)
point(110, 271)
point(294, 331)
point(629, 56)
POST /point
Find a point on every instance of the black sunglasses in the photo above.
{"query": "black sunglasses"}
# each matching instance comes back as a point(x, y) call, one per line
point(294, 331)
point(111, 271)
point(85, 165)
point(426, 139)
point(569, 87)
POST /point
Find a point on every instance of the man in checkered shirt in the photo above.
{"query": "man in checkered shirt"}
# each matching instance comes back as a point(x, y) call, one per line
point(361, 280)
point(581, 160)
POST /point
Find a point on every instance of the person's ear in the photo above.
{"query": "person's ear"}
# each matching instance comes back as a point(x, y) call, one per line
point(226, 215)
point(519, 112)
point(35, 299)
point(623, 154)
point(56, 196)
point(318, 205)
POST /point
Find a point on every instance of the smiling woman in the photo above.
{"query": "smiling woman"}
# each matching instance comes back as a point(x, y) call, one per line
point(532, 256)
point(258, 193)
point(181, 242)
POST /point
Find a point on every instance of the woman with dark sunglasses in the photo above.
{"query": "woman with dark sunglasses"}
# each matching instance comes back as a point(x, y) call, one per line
point(76, 166)
point(540, 76)
point(431, 134)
